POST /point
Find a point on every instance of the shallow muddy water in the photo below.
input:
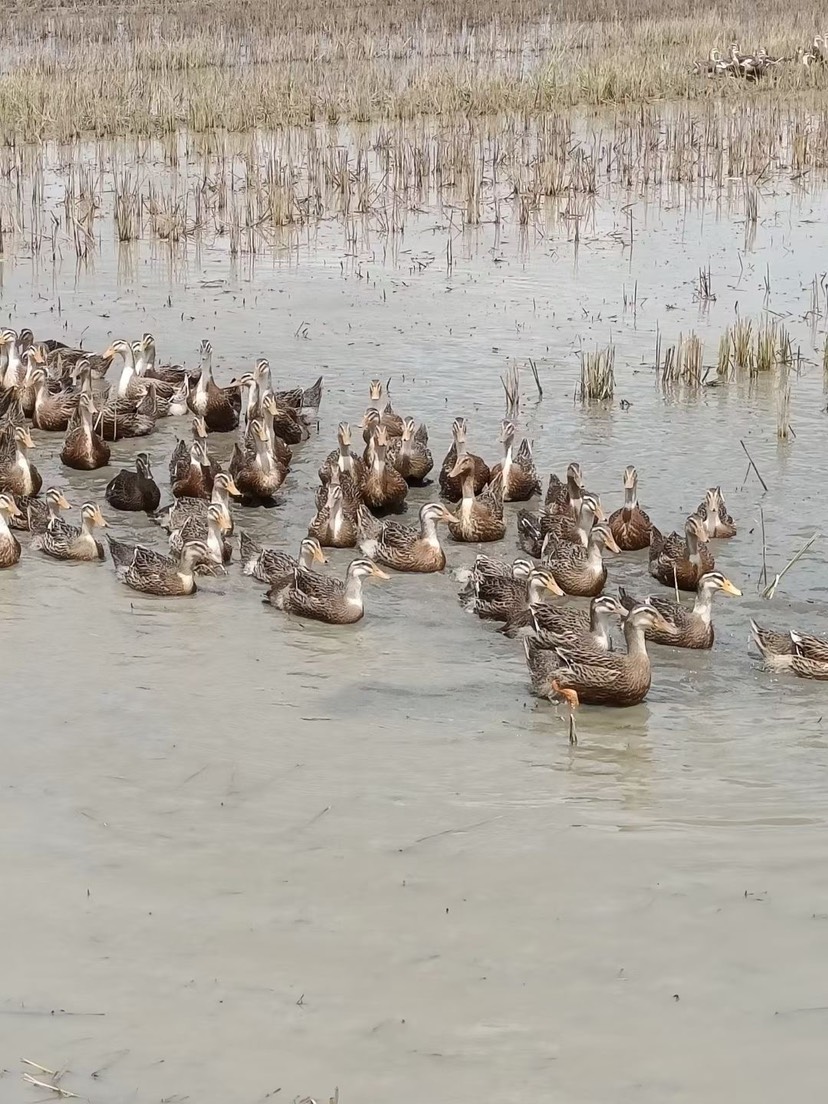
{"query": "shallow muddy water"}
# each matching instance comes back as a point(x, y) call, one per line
point(244, 853)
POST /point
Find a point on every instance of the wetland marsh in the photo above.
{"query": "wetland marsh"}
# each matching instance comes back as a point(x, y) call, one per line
point(254, 858)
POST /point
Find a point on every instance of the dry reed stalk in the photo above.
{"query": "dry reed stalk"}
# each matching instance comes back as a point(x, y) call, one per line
point(784, 430)
point(597, 382)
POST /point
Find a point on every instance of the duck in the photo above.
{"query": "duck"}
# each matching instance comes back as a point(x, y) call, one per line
point(499, 597)
point(60, 356)
point(175, 514)
point(273, 418)
point(191, 472)
point(580, 570)
point(552, 626)
point(451, 487)
point(631, 526)
point(151, 572)
point(122, 419)
point(686, 628)
point(590, 676)
point(269, 565)
point(305, 400)
point(681, 562)
point(130, 385)
point(383, 487)
point(517, 469)
point(796, 653)
point(175, 374)
point(342, 459)
point(51, 412)
point(325, 598)
point(589, 634)
point(480, 516)
point(485, 575)
point(404, 547)
point(18, 475)
point(26, 392)
point(285, 424)
point(134, 490)
point(218, 406)
point(9, 544)
point(537, 532)
point(62, 541)
point(36, 512)
point(410, 453)
point(718, 523)
point(716, 65)
point(388, 418)
point(209, 528)
point(256, 472)
point(564, 497)
point(83, 449)
point(14, 367)
point(334, 525)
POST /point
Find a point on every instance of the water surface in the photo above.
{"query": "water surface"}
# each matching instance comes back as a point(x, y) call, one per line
point(245, 853)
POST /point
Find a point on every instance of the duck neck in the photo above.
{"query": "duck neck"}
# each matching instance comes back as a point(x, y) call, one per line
point(378, 461)
point(127, 373)
point(254, 401)
point(460, 449)
point(206, 377)
point(221, 496)
point(87, 530)
point(139, 362)
point(215, 541)
point(305, 560)
point(428, 530)
point(535, 591)
point(346, 460)
point(5, 532)
point(703, 605)
point(264, 458)
point(574, 490)
point(586, 520)
point(22, 460)
point(599, 628)
point(353, 588)
point(630, 499)
point(468, 487)
point(595, 554)
point(636, 642)
point(692, 542)
point(14, 364)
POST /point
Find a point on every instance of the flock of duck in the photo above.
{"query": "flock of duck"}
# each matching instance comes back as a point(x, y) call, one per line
point(568, 648)
point(756, 65)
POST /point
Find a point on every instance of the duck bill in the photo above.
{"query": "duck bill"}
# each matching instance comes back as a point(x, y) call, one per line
point(378, 573)
point(729, 588)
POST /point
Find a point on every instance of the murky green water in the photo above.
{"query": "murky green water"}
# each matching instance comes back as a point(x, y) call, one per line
point(245, 853)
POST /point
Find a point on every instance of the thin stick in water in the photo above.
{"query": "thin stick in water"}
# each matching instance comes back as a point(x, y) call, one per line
point(770, 591)
point(753, 465)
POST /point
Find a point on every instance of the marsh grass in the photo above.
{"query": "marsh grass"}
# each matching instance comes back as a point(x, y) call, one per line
point(597, 383)
point(148, 68)
point(683, 363)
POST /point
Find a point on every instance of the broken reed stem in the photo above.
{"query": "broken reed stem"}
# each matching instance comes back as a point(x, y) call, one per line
point(753, 465)
point(511, 387)
point(534, 369)
point(27, 1077)
point(770, 591)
